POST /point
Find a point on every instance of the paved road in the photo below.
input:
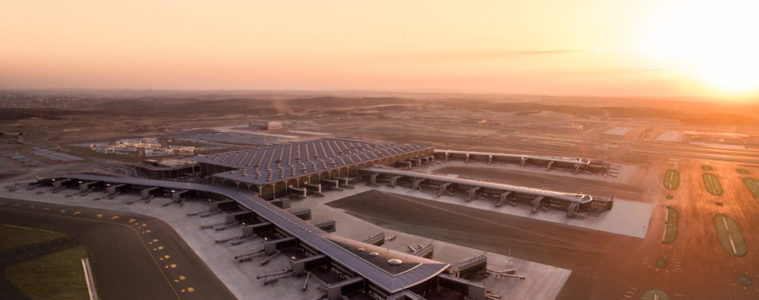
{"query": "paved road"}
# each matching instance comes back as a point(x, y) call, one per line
point(133, 256)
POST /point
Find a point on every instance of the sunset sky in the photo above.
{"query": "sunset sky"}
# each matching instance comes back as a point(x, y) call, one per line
point(675, 48)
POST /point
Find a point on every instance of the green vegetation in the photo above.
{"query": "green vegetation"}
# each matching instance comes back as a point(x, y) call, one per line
point(670, 226)
point(671, 179)
point(729, 235)
point(752, 185)
point(54, 276)
point(743, 171)
point(745, 280)
point(707, 168)
point(669, 197)
point(711, 182)
point(661, 263)
point(18, 236)
point(653, 293)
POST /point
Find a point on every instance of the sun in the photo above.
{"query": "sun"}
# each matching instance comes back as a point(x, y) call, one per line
point(714, 41)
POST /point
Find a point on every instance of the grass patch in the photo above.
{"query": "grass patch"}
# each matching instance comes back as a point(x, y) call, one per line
point(18, 236)
point(729, 235)
point(711, 182)
point(743, 171)
point(671, 179)
point(707, 168)
point(653, 293)
point(752, 185)
point(670, 226)
point(57, 275)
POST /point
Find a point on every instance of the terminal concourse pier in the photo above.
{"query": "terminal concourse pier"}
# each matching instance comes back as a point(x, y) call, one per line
point(354, 267)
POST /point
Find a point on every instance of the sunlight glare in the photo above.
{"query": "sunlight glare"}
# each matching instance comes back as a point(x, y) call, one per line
point(713, 40)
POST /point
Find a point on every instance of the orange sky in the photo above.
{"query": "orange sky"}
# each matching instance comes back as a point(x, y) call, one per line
point(579, 47)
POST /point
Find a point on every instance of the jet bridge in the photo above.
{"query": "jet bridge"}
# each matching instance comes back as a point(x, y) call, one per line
point(574, 164)
point(574, 204)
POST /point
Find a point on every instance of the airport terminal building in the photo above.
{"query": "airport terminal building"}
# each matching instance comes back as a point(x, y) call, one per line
point(250, 187)
point(278, 170)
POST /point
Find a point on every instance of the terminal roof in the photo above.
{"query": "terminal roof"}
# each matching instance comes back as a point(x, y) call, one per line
point(268, 164)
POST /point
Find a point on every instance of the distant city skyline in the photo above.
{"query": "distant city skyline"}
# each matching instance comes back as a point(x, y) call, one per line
point(548, 47)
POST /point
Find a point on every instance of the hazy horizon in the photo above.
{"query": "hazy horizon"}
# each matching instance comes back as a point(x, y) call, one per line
point(547, 47)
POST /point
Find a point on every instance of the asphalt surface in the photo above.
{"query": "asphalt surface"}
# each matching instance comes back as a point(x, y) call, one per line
point(133, 256)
